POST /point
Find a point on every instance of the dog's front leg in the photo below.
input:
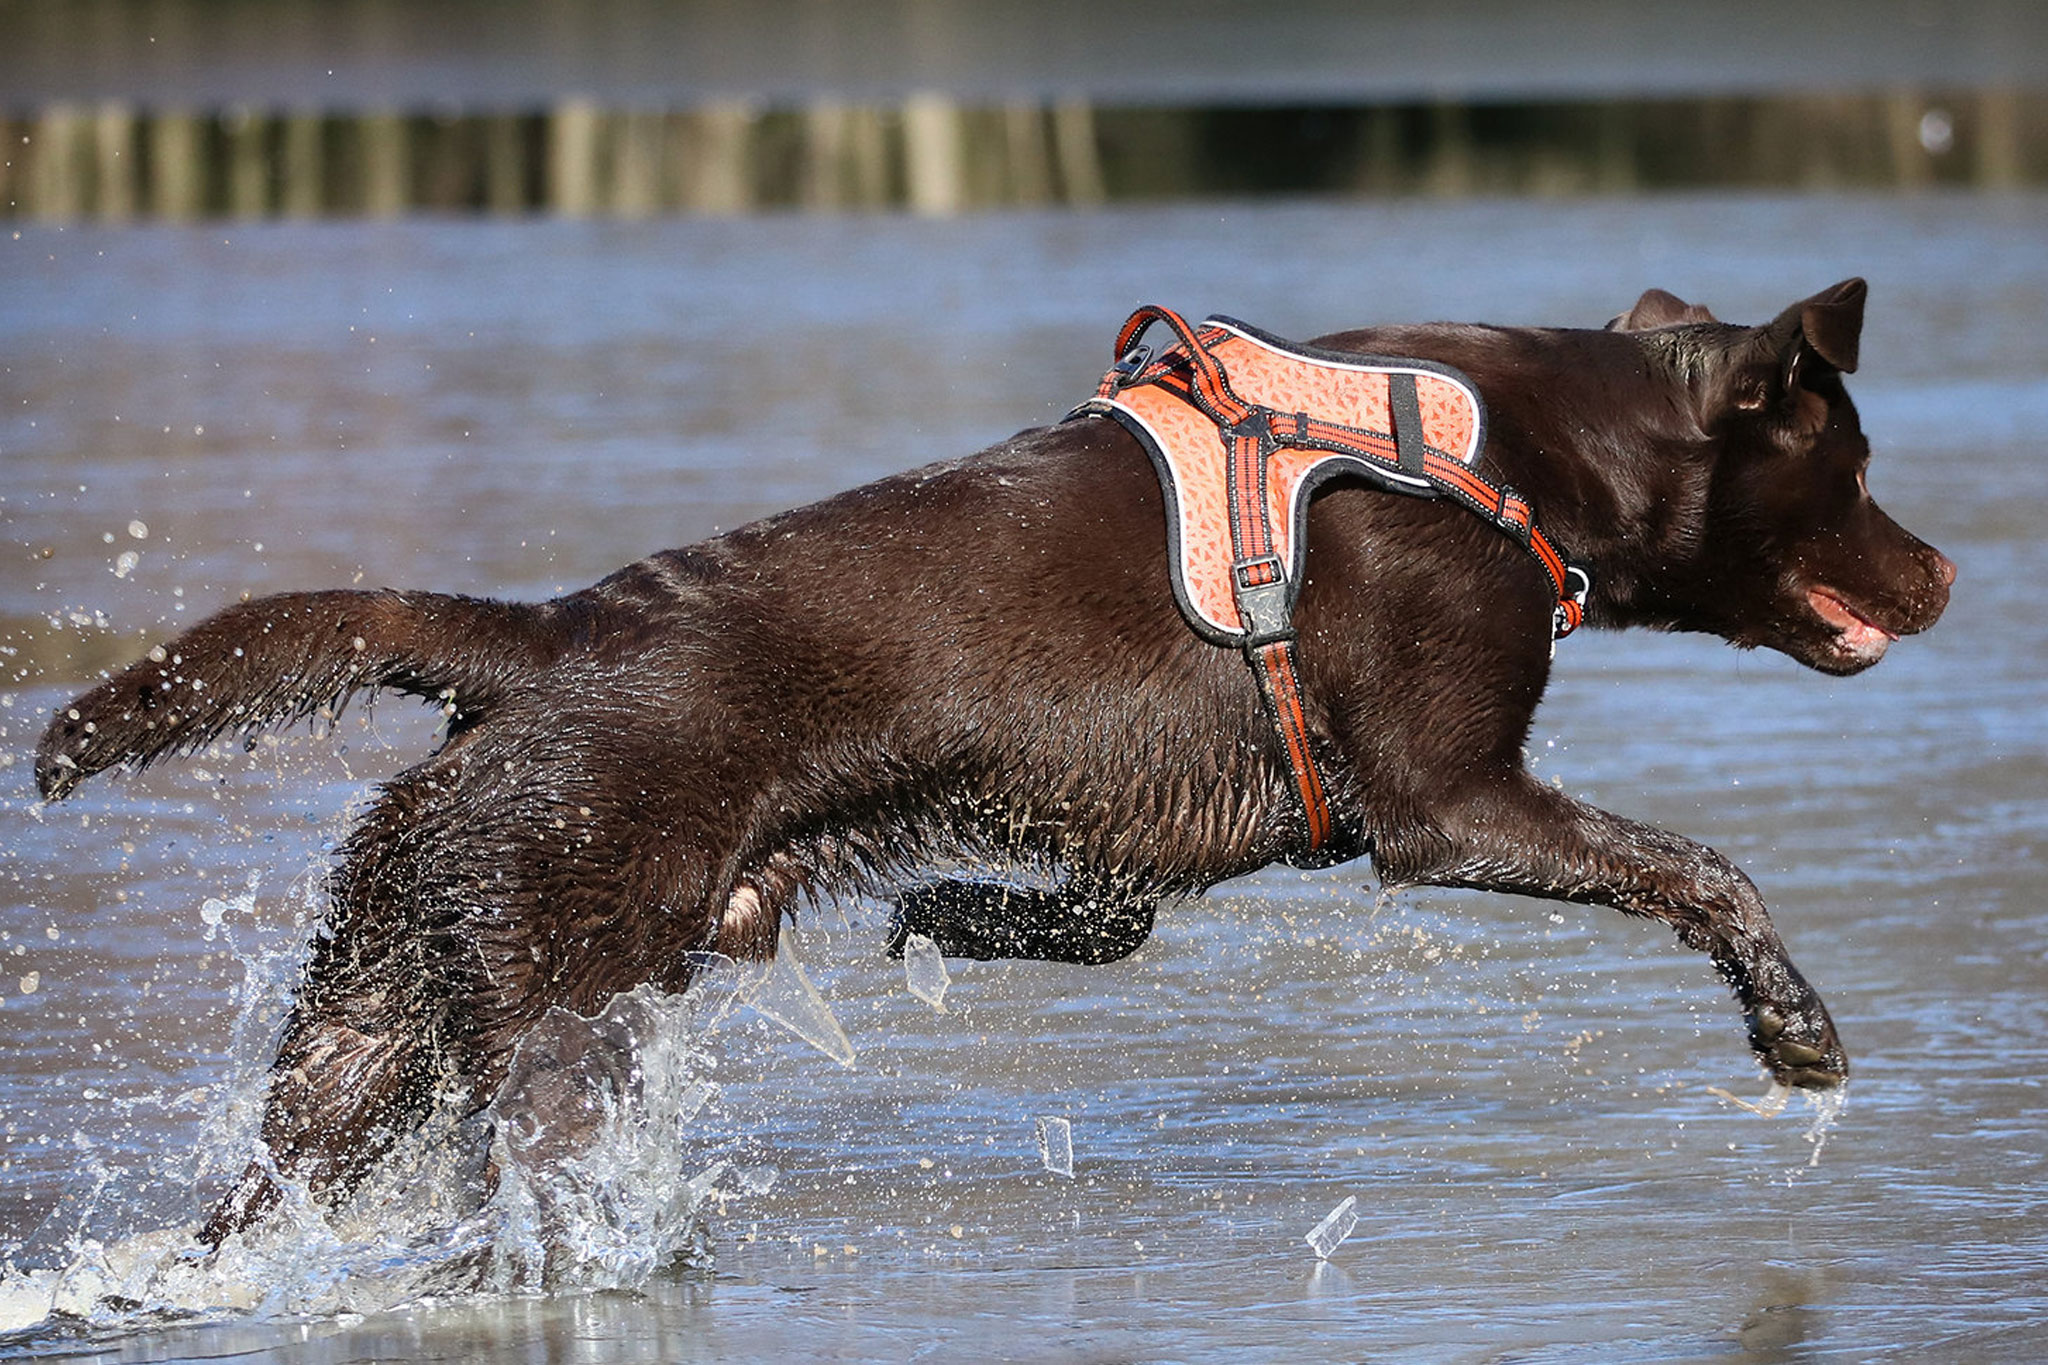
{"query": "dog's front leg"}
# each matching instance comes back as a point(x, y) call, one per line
point(1516, 835)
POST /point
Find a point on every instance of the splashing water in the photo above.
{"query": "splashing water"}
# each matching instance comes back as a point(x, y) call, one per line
point(1827, 1106)
point(1770, 1106)
point(1056, 1145)
point(580, 1175)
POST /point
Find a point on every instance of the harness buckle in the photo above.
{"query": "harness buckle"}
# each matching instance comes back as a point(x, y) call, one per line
point(1584, 577)
point(1261, 593)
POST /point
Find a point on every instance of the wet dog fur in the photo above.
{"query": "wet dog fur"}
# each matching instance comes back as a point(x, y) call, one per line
point(981, 658)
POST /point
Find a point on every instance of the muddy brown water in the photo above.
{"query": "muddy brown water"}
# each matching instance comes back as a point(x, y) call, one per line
point(1516, 1093)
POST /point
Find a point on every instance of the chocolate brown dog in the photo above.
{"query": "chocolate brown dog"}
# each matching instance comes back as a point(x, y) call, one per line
point(982, 658)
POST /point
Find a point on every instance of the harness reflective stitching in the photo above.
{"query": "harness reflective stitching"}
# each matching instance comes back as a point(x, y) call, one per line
point(1251, 433)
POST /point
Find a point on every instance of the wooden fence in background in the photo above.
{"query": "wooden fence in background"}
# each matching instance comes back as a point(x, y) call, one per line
point(931, 155)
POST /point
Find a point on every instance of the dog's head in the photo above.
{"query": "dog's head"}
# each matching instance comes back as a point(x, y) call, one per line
point(1791, 550)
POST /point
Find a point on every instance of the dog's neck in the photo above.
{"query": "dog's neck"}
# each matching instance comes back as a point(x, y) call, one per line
point(1609, 448)
point(1598, 429)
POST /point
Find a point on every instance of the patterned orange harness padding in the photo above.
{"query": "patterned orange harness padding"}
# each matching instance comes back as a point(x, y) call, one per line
point(1241, 427)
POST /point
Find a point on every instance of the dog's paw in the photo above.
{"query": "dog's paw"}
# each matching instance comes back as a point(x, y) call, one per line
point(1798, 1048)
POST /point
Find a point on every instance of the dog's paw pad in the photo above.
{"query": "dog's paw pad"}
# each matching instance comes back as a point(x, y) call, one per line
point(1768, 1025)
point(1796, 1054)
point(1814, 1061)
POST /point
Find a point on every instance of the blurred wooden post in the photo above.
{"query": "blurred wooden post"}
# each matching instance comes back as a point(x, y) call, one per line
point(1815, 121)
point(1029, 158)
point(867, 156)
point(1079, 156)
point(115, 160)
point(248, 166)
point(636, 163)
point(302, 166)
point(387, 165)
point(1773, 157)
point(934, 154)
point(177, 180)
point(57, 186)
point(821, 176)
point(1911, 163)
point(1453, 168)
point(572, 158)
point(2000, 159)
point(713, 148)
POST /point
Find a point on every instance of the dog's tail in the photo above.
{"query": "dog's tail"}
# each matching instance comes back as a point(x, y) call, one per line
point(280, 659)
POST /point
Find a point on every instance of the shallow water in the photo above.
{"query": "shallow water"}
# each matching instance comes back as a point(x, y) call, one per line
point(1517, 1094)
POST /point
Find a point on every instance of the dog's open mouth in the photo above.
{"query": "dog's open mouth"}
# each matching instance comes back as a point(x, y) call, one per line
point(1856, 635)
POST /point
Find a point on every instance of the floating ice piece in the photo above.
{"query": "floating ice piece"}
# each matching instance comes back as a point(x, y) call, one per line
point(786, 995)
point(924, 971)
point(757, 1179)
point(1770, 1106)
point(701, 1184)
point(1056, 1146)
point(1327, 1235)
point(716, 983)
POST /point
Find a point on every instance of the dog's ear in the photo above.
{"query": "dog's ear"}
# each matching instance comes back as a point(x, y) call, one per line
point(1823, 330)
point(1774, 365)
point(1658, 308)
point(1827, 327)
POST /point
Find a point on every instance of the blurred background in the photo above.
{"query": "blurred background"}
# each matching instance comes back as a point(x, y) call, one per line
point(177, 109)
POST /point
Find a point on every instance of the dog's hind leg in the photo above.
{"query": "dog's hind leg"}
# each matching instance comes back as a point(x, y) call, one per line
point(339, 1099)
point(483, 888)
point(361, 1052)
point(1081, 922)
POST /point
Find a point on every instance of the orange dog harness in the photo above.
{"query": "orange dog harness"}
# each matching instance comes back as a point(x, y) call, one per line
point(1242, 427)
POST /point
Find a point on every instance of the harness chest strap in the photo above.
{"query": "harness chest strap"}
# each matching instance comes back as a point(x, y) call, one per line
point(1271, 457)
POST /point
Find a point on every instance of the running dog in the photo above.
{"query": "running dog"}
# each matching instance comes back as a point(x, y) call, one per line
point(981, 659)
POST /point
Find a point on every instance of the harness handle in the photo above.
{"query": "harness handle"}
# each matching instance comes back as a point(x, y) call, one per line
point(1211, 389)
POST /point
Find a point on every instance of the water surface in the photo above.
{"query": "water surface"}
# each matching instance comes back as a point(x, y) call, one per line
point(1515, 1092)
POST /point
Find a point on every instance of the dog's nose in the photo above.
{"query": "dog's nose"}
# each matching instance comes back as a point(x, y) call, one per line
point(1946, 568)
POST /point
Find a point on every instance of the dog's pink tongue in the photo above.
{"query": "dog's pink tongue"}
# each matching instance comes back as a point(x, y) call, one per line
point(1860, 635)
